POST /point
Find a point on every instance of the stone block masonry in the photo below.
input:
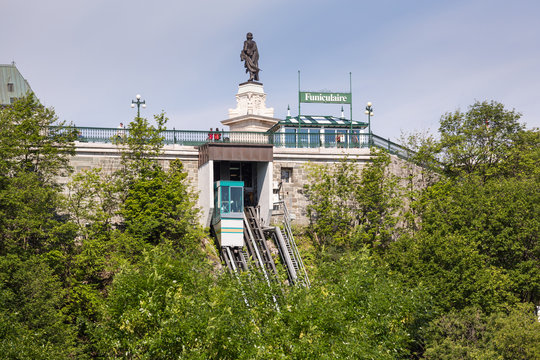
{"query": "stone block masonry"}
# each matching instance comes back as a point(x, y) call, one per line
point(290, 174)
point(107, 157)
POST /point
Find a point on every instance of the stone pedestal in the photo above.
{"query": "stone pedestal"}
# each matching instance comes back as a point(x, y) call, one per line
point(251, 113)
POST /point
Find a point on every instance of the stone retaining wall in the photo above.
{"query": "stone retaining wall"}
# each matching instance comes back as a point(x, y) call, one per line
point(292, 160)
point(107, 157)
point(295, 161)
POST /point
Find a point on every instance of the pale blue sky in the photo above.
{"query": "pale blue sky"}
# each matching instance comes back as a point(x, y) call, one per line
point(415, 60)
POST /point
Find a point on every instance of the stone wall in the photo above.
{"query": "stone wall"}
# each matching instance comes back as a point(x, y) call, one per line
point(107, 156)
point(290, 174)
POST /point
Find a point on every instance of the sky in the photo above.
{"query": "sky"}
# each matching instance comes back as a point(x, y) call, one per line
point(415, 60)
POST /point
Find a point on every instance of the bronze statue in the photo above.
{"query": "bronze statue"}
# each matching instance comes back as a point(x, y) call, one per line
point(250, 56)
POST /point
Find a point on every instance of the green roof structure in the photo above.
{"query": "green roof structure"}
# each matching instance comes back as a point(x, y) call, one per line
point(318, 121)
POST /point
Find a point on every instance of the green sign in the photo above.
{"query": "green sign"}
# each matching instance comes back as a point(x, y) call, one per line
point(326, 98)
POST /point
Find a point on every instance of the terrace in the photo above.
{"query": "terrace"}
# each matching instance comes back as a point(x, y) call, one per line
point(344, 139)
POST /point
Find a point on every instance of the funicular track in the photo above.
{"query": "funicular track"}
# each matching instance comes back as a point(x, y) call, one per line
point(238, 259)
point(257, 252)
point(235, 258)
point(256, 241)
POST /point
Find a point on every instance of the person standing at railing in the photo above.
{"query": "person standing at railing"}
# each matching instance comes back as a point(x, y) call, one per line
point(340, 140)
point(217, 135)
point(211, 135)
point(355, 139)
point(120, 132)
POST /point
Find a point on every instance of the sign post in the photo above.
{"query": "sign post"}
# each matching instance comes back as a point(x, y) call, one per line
point(299, 102)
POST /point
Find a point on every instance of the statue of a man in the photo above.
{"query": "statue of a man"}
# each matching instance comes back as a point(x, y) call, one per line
point(250, 56)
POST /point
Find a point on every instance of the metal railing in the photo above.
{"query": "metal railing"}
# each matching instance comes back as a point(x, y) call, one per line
point(391, 147)
point(288, 231)
point(344, 139)
point(180, 137)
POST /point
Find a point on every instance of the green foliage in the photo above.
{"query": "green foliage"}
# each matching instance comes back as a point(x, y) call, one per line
point(477, 141)
point(141, 146)
point(379, 202)
point(453, 271)
point(32, 139)
point(32, 323)
point(160, 206)
point(475, 238)
point(93, 201)
point(29, 221)
point(355, 309)
point(122, 216)
point(348, 208)
point(423, 146)
point(32, 154)
point(523, 156)
point(152, 204)
point(470, 334)
point(157, 308)
point(119, 274)
point(332, 194)
point(478, 244)
point(170, 306)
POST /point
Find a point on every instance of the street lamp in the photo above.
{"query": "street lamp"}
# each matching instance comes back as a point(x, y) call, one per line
point(139, 102)
point(369, 113)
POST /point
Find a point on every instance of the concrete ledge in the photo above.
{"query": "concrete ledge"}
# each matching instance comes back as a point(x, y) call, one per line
point(173, 151)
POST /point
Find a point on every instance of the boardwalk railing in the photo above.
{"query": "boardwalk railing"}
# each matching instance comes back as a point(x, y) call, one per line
point(343, 139)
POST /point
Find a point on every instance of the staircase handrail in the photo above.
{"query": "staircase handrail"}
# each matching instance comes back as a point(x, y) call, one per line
point(282, 247)
point(287, 225)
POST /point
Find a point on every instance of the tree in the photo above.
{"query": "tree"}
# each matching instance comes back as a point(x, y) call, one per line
point(355, 309)
point(332, 205)
point(141, 146)
point(379, 202)
point(523, 157)
point(32, 139)
point(478, 243)
point(35, 149)
point(348, 207)
point(157, 308)
point(478, 140)
point(172, 306)
point(36, 237)
point(33, 324)
point(122, 214)
point(93, 201)
point(471, 334)
point(159, 205)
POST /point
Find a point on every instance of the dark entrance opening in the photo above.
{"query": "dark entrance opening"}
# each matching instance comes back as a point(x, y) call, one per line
point(245, 171)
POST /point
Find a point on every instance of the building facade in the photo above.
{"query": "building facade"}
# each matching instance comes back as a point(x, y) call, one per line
point(267, 154)
point(12, 84)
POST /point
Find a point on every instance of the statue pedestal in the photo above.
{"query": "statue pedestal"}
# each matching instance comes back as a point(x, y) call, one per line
point(251, 113)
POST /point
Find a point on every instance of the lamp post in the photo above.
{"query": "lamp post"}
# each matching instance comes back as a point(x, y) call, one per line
point(369, 113)
point(139, 102)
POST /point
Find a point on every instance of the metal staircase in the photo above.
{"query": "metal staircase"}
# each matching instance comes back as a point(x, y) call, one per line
point(288, 251)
